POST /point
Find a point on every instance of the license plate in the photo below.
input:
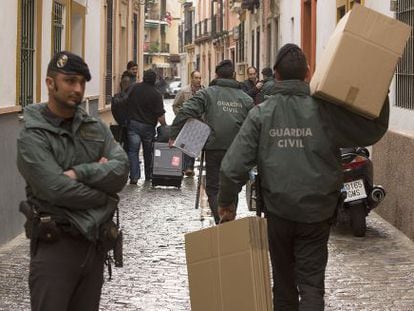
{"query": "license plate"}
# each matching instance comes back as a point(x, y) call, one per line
point(355, 190)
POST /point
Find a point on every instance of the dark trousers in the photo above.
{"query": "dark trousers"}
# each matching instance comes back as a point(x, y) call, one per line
point(213, 163)
point(140, 133)
point(66, 275)
point(299, 254)
point(188, 162)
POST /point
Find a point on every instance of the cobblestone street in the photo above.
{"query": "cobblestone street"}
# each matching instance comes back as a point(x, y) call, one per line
point(371, 273)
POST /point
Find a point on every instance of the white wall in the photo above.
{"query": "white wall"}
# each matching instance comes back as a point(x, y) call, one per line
point(93, 54)
point(8, 41)
point(325, 24)
point(290, 15)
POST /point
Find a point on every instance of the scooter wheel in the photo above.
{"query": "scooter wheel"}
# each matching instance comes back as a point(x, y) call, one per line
point(358, 220)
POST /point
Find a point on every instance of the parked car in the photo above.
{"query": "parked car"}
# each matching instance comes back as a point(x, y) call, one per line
point(172, 89)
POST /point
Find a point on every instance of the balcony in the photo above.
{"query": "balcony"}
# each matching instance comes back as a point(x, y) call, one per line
point(154, 19)
point(151, 47)
point(250, 4)
point(202, 31)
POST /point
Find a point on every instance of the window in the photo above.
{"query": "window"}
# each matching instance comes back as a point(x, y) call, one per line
point(135, 39)
point(240, 44)
point(27, 50)
point(108, 60)
point(343, 6)
point(58, 34)
point(405, 68)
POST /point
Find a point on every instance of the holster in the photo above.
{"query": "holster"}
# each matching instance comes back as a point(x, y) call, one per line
point(30, 213)
point(108, 234)
point(38, 228)
point(111, 238)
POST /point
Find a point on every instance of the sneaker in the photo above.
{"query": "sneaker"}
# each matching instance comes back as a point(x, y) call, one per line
point(133, 181)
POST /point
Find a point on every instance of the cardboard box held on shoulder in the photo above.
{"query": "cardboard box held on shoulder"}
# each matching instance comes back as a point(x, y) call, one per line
point(228, 267)
point(358, 63)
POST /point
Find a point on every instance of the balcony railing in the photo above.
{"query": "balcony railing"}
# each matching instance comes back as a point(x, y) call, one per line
point(156, 47)
point(250, 4)
point(203, 30)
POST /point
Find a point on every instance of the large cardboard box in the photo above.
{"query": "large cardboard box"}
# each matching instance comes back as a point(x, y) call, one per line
point(228, 267)
point(359, 60)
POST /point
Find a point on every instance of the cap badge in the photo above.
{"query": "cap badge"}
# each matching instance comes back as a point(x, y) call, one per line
point(61, 62)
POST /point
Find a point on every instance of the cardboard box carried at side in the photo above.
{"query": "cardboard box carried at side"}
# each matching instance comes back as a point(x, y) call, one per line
point(359, 60)
point(192, 137)
point(228, 267)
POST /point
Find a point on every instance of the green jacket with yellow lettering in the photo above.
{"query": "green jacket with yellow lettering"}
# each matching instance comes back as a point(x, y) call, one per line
point(294, 140)
point(223, 106)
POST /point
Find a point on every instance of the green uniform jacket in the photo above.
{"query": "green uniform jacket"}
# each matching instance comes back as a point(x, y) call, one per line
point(45, 151)
point(223, 106)
point(294, 140)
point(266, 90)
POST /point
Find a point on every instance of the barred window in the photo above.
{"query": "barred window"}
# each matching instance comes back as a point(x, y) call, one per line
point(108, 67)
point(27, 50)
point(57, 27)
point(240, 44)
point(405, 68)
point(135, 39)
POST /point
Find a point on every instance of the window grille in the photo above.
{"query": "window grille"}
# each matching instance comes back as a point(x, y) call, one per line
point(240, 44)
point(27, 51)
point(135, 48)
point(405, 68)
point(109, 23)
point(58, 26)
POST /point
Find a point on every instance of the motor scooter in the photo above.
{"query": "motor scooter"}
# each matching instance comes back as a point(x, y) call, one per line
point(359, 195)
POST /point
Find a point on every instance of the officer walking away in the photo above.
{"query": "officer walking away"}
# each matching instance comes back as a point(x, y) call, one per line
point(224, 106)
point(294, 140)
point(268, 85)
point(73, 169)
point(132, 68)
point(145, 110)
point(252, 85)
point(184, 94)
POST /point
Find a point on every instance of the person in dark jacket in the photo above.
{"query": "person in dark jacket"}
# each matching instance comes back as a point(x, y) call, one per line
point(161, 85)
point(132, 68)
point(119, 107)
point(73, 170)
point(268, 84)
point(252, 85)
point(145, 110)
point(224, 106)
point(294, 140)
